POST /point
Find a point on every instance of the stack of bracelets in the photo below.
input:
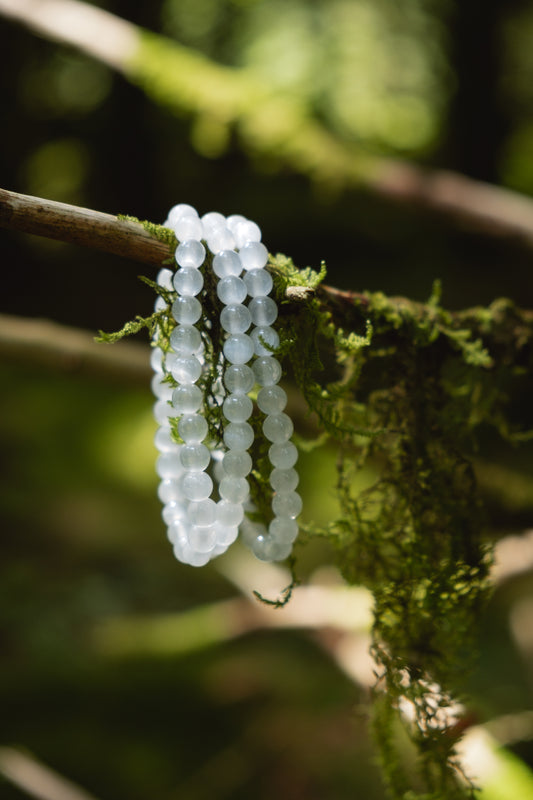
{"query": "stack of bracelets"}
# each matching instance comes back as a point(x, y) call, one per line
point(204, 486)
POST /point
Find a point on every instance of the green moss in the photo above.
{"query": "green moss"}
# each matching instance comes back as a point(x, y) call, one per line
point(400, 388)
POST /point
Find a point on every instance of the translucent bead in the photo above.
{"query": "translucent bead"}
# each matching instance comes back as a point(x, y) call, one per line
point(202, 540)
point(187, 399)
point(161, 388)
point(169, 465)
point(283, 529)
point(160, 304)
point(235, 318)
point(267, 370)
point(267, 548)
point(188, 227)
point(237, 463)
point(284, 480)
point(226, 534)
point(173, 511)
point(231, 290)
point(190, 254)
point(164, 279)
point(186, 340)
point(156, 359)
point(262, 337)
point(192, 428)
point(247, 231)
point(185, 369)
point(220, 239)
point(239, 378)
point(196, 485)
point(213, 219)
point(163, 411)
point(237, 407)
point(227, 263)
point(288, 504)
point(235, 490)
point(229, 514)
point(271, 399)
point(254, 255)
point(195, 457)
point(258, 282)
point(238, 348)
point(169, 490)
point(234, 220)
point(284, 455)
point(186, 310)
point(164, 441)
point(177, 534)
point(189, 281)
point(264, 310)
point(202, 513)
point(180, 210)
point(239, 436)
point(278, 427)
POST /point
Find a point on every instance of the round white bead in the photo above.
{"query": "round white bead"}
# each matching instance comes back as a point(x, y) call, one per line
point(169, 490)
point(212, 220)
point(283, 455)
point(235, 490)
point(262, 337)
point(226, 535)
point(237, 463)
point(264, 310)
point(254, 255)
point(180, 210)
point(284, 480)
point(169, 465)
point(202, 540)
point(234, 220)
point(238, 436)
point(190, 253)
point(196, 485)
point(202, 513)
point(164, 441)
point(188, 227)
point(161, 388)
point(173, 511)
point(278, 427)
point(239, 378)
point(192, 428)
point(195, 457)
point(227, 263)
point(258, 282)
point(187, 399)
point(235, 318)
point(238, 348)
point(229, 514)
point(186, 340)
point(185, 369)
point(247, 231)
point(237, 407)
point(189, 281)
point(157, 359)
point(267, 370)
point(163, 411)
point(231, 290)
point(288, 504)
point(160, 304)
point(266, 548)
point(220, 239)
point(186, 310)
point(271, 399)
point(164, 279)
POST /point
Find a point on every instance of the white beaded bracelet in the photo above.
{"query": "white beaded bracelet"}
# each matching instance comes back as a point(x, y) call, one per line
point(199, 527)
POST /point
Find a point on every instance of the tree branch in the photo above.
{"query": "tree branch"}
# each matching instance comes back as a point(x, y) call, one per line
point(20, 212)
point(268, 123)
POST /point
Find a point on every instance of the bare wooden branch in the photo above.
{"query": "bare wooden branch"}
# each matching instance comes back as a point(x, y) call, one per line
point(82, 226)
